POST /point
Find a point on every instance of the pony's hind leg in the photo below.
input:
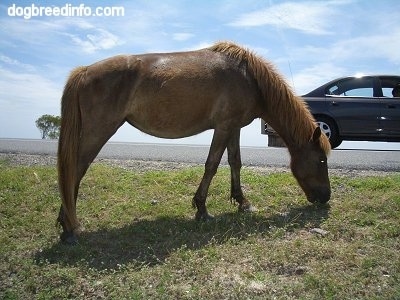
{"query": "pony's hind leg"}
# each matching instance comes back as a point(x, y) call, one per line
point(91, 141)
point(86, 155)
point(217, 148)
point(235, 164)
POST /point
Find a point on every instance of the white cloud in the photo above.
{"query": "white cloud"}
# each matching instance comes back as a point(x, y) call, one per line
point(369, 53)
point(308, 17)
point(377, 46)
point(314, 76)
point(88, 36)
point(25, 96)
point(182, 36)
point(28, 89)
point(15, 63)
point(200, 45)
point(100, 39)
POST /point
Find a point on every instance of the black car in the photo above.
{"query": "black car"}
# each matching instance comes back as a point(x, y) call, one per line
point(363, 108)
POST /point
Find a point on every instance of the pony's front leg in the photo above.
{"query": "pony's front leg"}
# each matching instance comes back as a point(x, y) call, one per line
point(217, 149)
point(235, 164)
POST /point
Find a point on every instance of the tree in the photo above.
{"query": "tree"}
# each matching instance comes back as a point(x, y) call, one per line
point(49, 126)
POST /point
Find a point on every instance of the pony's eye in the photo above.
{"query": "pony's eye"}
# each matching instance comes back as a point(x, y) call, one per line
point(322, 161)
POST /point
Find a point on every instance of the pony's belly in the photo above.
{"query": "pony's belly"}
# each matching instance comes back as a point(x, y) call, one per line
point(170, 128)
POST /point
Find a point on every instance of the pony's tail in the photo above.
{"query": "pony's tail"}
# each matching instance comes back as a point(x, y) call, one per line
point(68, 148)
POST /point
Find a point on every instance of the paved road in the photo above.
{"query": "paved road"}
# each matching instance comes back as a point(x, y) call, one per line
point(274, 157)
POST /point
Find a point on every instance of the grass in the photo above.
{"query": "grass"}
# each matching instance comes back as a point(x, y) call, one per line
point(141, 242)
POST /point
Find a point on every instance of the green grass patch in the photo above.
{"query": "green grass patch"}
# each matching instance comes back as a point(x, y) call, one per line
point(141, 241)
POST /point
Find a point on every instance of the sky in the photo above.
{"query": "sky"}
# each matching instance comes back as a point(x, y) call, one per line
point(310, 43)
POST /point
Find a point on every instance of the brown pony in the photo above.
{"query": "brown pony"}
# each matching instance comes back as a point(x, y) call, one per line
point(175, 95)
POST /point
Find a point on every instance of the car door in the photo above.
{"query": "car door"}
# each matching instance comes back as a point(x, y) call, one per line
point(390, 107)
point(354, 107)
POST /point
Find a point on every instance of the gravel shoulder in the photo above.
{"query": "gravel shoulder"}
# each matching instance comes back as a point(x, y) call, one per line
point(143, 166)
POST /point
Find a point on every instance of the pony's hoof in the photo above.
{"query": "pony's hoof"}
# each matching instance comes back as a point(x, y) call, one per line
point(204, 217)
point(68, 238)
point(248, 208)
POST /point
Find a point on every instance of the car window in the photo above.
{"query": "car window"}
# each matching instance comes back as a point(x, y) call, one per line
point(388, 83)
point(387, 92)
point(352, 87)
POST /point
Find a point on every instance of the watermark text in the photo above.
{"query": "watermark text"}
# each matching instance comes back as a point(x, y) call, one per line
point(67, 10)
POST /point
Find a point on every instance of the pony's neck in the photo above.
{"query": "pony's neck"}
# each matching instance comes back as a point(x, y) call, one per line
point(292, 121)
point(283, 110)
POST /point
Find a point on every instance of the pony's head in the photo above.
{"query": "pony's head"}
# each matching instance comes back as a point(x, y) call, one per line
point(310, 168)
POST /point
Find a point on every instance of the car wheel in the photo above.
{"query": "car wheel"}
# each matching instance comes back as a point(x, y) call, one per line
point(329, 128)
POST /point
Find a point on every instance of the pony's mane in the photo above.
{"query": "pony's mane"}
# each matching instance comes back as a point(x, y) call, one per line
point(279, 97)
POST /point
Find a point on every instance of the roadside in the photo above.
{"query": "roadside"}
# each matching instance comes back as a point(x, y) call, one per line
point(268, 157)
point(145, 165)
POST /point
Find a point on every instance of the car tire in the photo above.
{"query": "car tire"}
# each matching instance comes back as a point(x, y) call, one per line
point(328, 127)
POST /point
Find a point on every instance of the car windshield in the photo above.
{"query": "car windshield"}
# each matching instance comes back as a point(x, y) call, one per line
point(352, 87)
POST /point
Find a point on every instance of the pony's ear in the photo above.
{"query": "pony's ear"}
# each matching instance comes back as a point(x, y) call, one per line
point(316, 135)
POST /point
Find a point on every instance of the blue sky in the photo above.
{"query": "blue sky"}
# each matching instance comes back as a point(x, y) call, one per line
point(310, 42)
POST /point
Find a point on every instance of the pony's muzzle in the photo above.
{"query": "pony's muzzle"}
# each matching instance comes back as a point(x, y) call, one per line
point(320, 196)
